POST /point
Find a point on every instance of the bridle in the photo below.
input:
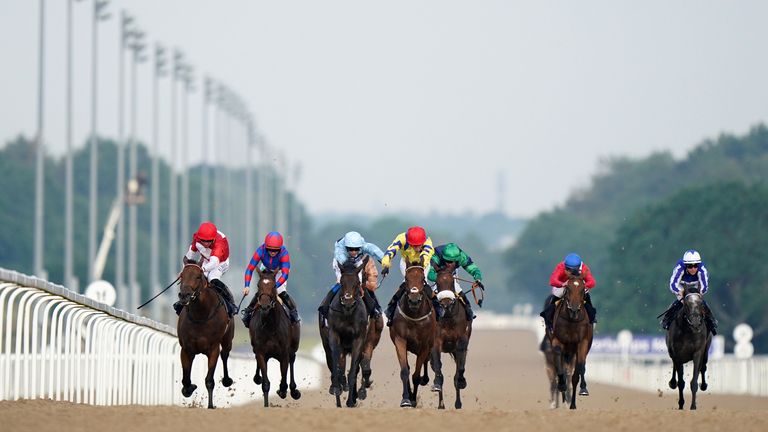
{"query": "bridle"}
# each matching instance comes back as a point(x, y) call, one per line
point(695, 327)
point(568, 304)
point(187, 300)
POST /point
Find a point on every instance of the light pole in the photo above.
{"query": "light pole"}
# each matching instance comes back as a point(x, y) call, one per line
point(40, 152)
point(137, 47)
point(173, 230)
point(68, 210)
point(154, 265)
point(99, 14)
point(188, 81)
point(204, 192)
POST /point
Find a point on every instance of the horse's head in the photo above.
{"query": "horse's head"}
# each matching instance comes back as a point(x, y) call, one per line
point(266, 292)
point(693, 305)
point(414, 283)
point(191, 281)
point(446, 285)
point(351, 288)
point(575, 292)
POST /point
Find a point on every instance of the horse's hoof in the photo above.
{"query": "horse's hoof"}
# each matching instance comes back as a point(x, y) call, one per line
point(457, 405)
point(672, 384)
point(367, 383)
point(362, 393)
point(424, 380)
point(257, 379)
point(187, 391)
point(584, 392)
point(282, 393)
point(437, 388)
point(562, 387)
point(461, 383)
point(405, 403)
point(295, 394)
point(351, 403)
point(441, 406)
point(572, 406)
point(704, 386)
point(693, 407)
point(226, 381)
point(413, 403)
point(552, 405)
point(331, 390)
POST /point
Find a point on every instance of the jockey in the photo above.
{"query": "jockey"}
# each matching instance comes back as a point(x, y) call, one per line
point(272, 256)
point(449, 253)
point(415, 249)
point(212, 246)
point(689, 269)
point(570, 266)
point(353, 248)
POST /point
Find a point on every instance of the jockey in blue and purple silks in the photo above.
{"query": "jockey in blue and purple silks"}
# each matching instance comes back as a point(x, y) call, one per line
point(689, 269)
point(272, 256)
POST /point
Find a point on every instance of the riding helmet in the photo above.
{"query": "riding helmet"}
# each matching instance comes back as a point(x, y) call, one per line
point(353, 239)
point(416, 236)
point(572, 262)
point(207, 231)
point(273, 240)
point(691, 256)
point(451, 252)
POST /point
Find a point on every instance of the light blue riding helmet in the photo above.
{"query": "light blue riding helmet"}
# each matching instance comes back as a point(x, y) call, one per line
point(353, 239)
point(572, 261)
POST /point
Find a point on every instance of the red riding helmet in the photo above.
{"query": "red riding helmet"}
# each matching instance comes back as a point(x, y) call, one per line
point(416, 236)
point(207, 231)
point(273, 240)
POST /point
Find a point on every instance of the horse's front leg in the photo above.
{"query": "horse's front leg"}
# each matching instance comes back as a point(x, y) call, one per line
point(295, 393)
point(282, 390)
point(337, 372)
point(437, 368)
point(187, 388)
point(354, 361)
point(583, 391)
point(226, 347)
point(210, 383)
point(402, 358)
point(417, 379)
point(262, 369)
point(680, 384)
point(695, 379)
point(557, 351)
point(459, 382)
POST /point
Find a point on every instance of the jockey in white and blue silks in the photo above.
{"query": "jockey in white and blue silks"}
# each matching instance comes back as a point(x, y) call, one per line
point(353, 248)
point(689, 269)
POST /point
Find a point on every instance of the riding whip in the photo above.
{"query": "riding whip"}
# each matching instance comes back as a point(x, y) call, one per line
point(158, 294)
point(240, 304)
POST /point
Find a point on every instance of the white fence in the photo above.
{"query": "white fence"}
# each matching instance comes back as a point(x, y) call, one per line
point(56, 344)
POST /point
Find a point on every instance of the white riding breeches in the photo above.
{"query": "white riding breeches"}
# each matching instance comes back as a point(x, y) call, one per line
point(558, 292)
point(218, 271)
point(403, 267)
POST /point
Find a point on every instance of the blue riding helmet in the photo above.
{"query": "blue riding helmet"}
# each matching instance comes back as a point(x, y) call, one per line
point(353, 239)
point(572, 262)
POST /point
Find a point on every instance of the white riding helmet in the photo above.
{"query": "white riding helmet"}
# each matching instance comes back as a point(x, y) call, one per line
point(691, 256)
point(353, 239)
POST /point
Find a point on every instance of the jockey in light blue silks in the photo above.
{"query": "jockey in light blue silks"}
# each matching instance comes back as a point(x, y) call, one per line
point(689, 269)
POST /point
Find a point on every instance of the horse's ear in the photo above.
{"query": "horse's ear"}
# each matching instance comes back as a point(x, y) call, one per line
point(258, 271)
point(452, 266)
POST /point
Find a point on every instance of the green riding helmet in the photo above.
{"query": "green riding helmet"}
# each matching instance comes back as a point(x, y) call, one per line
point(451, 252)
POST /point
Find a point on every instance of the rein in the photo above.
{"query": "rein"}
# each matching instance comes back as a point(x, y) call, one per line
point(422, 318)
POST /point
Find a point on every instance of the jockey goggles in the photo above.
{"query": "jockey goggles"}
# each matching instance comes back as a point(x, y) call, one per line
point(694, 265)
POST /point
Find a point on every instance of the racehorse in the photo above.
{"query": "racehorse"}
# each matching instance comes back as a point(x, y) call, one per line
point(346, 334)
point(204, 327)
point(571, 334)
point(413, 329)
point(453, 333)
point(273, 335)
point(556, 395)
point(688, 340)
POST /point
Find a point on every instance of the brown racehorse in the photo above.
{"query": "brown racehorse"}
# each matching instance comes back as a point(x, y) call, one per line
point(273, 335)
point(413, 329)
point(571, 334)
point(549, 359)
point(204, 327)
point(453, 333)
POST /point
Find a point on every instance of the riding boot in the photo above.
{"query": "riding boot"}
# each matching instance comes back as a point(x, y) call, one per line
point(288, 301)
point(326, 303)
point(549, 311)
point(371, 304)
point(178, 307)
point(709, 319)
point(591, 311)
point(467, 306)
point(439, 309)
point(229, 301)
point(247, 314)
point(670, 314)
point(390, 312)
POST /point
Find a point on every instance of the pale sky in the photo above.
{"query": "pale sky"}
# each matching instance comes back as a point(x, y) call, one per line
point(419, 105)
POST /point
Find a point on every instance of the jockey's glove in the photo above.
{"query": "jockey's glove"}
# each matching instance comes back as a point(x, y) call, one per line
point(384, 271)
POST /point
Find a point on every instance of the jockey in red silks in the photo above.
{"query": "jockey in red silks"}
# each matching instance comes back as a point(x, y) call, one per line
point(570, 266)
point(212, 246)
point(272, 256)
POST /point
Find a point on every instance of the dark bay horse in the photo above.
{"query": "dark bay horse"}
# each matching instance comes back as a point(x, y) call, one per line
point(688, 340)
point(571, 335)
point(346, 334)
point(273, 335)
point(204, 327)
point(413, 330)
point(453, 333)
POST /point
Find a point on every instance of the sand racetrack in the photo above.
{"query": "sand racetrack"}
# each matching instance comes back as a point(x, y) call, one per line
point(507, 390)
